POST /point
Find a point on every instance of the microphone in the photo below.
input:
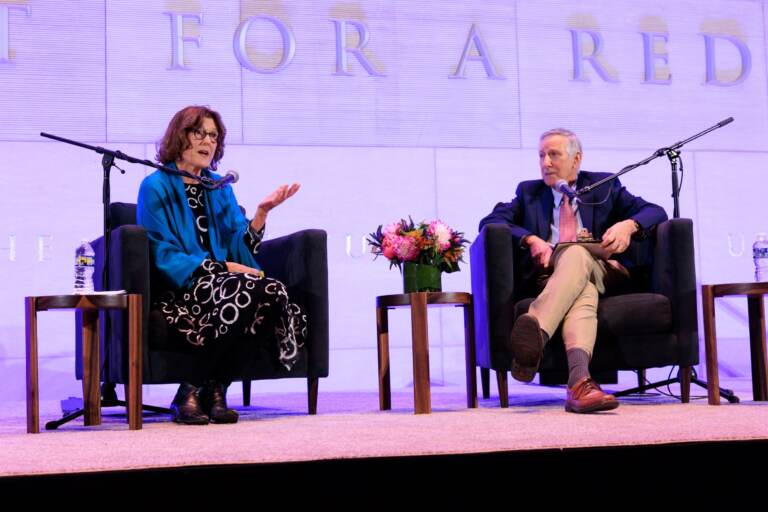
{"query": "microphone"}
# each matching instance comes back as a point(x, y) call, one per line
point(563, 187)
point(230, 177)
point(725, 122)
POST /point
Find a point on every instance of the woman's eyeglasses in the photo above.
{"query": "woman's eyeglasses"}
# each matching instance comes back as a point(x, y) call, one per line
point(199, 134)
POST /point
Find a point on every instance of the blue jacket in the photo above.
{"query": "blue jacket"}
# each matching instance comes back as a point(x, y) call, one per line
point(173, 245)
point(530, 212)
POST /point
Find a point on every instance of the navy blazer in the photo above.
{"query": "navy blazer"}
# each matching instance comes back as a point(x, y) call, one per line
point(530, 213)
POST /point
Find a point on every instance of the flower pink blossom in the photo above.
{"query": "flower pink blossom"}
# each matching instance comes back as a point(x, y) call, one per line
point(407, 249)
point(389, 245)
point(441, 233)
point(433, 243)
point(391, 229)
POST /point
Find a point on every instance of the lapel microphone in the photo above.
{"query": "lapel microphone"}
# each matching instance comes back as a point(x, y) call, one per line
point(563, 187)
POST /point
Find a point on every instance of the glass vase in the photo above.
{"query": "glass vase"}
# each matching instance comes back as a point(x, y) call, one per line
point(421, 278)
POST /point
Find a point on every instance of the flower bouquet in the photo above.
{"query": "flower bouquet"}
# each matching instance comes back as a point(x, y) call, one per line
point(422, 251)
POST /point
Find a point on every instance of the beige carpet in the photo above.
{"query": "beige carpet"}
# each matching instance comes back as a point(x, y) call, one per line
point(349, 425)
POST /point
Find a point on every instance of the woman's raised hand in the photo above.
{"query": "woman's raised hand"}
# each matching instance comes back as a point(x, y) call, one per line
point(282, 193)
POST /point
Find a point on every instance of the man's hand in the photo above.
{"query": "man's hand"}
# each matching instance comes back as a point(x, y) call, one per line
point(541, 251)
point(616, 238)
point(243, 269)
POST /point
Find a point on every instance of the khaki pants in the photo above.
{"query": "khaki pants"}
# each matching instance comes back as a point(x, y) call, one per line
point(571, 293)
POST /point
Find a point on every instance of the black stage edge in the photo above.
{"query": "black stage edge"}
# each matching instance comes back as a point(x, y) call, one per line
point(631, 468)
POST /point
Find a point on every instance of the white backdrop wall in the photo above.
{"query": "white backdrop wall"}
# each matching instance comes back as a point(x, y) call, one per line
point(381, 109)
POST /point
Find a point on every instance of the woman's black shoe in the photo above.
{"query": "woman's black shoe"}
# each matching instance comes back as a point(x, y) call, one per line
point(186, 408)
point(214, 400)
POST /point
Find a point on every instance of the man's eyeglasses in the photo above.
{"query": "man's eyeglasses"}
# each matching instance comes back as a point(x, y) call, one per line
point(199, 134)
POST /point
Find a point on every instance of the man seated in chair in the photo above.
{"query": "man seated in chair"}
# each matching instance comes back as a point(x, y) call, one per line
point(568, 283)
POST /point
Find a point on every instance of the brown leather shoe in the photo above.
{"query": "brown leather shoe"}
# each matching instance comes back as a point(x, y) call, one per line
point(586, 396)
point(526, 343)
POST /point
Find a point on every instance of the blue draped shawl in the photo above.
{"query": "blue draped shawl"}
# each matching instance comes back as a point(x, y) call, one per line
point(173, 244)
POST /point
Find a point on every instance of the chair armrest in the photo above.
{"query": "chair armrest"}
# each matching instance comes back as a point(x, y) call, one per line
point(674, 275)
point(300, 261)
point(129, 271)
point(129, 263)
point(492, 268)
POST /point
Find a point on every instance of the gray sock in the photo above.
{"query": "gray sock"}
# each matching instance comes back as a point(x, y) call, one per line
point(578, 365)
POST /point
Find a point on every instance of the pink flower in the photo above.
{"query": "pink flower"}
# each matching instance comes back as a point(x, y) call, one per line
point(389, 245)
point(391, 229)
point(407, 249)
point(441, 233)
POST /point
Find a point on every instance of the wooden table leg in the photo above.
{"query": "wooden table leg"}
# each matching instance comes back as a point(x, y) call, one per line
point(710, 344)
point(757, 347)
point(420, 340)
point(134, 362)
point(382, 343)
point(469, 355)
point(33, 404)
point(91, 368)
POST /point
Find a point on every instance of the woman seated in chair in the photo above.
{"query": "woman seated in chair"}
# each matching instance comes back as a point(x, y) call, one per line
point(202, 247)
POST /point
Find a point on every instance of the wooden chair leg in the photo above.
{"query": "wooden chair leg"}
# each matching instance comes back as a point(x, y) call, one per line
point(485, 379)
point(246, 393)
point(501, 380)
point(312, 384)
point(685, 384)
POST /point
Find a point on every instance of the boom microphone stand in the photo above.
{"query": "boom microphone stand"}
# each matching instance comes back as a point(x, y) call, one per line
point(673, 154)
point(108, 393)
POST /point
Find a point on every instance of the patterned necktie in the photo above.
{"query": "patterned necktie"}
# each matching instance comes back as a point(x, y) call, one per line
point(567, 221)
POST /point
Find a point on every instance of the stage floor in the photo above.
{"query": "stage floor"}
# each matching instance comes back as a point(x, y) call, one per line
point(349, 426)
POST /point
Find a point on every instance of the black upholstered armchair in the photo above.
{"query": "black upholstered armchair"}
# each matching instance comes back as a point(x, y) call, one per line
point(653, 326)
point(298, 260)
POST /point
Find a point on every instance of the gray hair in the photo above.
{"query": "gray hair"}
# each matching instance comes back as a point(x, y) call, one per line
point(574, 144)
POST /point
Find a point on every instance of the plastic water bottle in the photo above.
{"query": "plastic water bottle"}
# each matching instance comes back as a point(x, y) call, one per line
point(760, 255)
point(84, 262)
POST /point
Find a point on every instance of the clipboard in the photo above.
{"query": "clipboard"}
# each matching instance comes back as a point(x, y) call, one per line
point(593, 246)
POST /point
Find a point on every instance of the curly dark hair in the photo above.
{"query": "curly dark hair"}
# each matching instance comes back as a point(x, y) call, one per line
point(175, 140)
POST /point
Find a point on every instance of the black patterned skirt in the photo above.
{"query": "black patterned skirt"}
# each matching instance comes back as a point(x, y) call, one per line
point(222, 306)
